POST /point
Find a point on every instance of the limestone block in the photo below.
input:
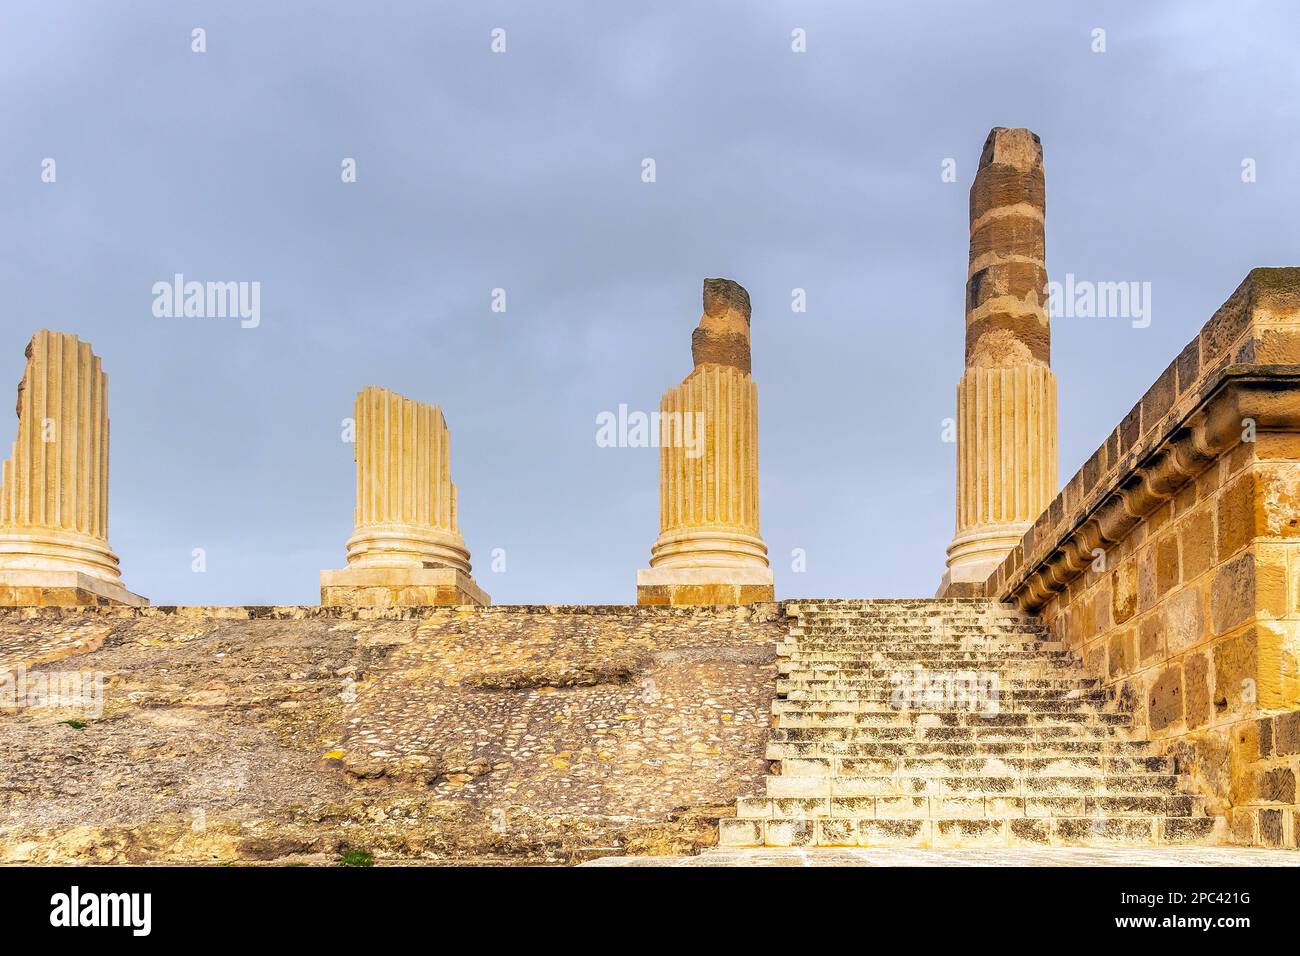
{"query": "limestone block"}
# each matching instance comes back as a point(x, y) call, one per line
point(1184, 620)
point(54, 486)
point(1232, 600)
point(707, 586)
point(1197, 536)
point(1124, 591)
point(399, 587)
point(1196, 684)
point(1236, 515)
point(1165, 699)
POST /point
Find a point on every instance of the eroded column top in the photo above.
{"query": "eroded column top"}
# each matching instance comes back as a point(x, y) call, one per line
point(1006, 289)
point(722, 337)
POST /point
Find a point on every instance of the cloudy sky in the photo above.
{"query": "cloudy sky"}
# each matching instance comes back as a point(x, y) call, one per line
point(522, 170)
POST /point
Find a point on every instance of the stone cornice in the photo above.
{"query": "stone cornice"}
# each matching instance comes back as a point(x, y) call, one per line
point(1244, 364)
point(1270, 398)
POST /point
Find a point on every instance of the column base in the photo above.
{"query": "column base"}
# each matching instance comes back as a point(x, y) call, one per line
point(976, 553)
point(399, 587)
point(948, 588)
point(679, 587)
point(36, 588)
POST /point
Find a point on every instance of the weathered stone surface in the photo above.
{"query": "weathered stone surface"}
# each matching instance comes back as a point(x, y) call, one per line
point(1277, 785)
point(1196, 684)
point(1196, 536)
point(722, 337)
point(1287, 733)
point(1184, 623)
point(463, 735)
point(1124, 591)
point(1232, 601)
point(1165, 699)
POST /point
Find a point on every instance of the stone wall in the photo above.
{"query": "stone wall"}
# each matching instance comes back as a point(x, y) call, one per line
point(541, 733)
point(1171, 561)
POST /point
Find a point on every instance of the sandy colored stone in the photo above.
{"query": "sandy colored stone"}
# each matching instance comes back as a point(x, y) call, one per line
point(406, 547)
point(1232, 598)
point(1124, 591)
point(1237, 687)
point(710, 549)
point(1165, 699)
point(1196, 538)
point(1167, 566)
point(1236, 515)
point(1006, 400)
point(54, 485)
point(722, 337)
point(1196, 684)
point(1183, 620)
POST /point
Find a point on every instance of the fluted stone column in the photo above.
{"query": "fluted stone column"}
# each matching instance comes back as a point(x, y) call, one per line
point(1006, 400)
point(54, 486)
point(406, 548)
point(709, 549)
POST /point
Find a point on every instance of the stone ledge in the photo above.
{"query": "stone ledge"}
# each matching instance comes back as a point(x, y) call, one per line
point(38, 589)
point(676, 587)
point(399, 587)
point(764, 611)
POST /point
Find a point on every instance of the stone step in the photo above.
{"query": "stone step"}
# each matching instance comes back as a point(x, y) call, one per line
point(912, 616)
point(995, 704)
point(853, 673)
point(1057, 831)
point(982, 766)
point(934, 649)
point(1033, 785)
point(855, 645)
point(918, 660)
point(905, 631)
point(810, 749)
point(866, 684)
point(890, 697)
point(952, 723)
point(951, 719)
point(808, 712)
point(1041, 670)
point(1028, 736)
point(985, 806)
point(914, 658)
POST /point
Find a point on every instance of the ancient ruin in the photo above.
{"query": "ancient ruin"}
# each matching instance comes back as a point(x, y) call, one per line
point(406, 548)
point(1113, 667)
point(709, 549)
point(54, 488)
point(1006, 400)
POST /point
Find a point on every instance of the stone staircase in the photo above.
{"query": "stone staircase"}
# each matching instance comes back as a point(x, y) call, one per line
point(953, 723)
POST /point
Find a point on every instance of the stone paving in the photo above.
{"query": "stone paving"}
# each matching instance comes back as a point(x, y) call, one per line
point(1003, 857)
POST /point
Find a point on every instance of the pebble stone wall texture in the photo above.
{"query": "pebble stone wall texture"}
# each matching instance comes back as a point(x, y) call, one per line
point(467, 734)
